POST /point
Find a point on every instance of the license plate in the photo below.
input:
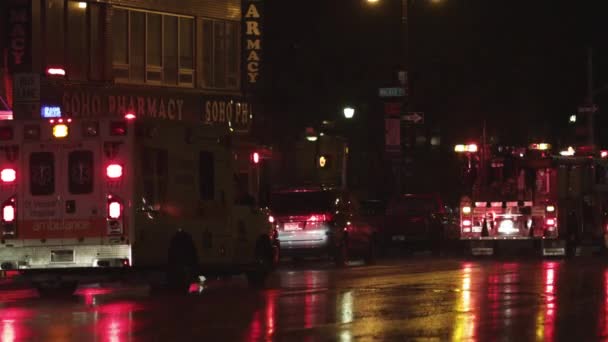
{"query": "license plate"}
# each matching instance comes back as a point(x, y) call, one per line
point(398, 238)
point(292, 226)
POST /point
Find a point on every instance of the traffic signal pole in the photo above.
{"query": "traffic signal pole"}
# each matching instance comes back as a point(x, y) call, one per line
point(589, 101)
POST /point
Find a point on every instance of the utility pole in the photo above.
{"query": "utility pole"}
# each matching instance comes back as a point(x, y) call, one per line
point(589, 100)
point(403, 78)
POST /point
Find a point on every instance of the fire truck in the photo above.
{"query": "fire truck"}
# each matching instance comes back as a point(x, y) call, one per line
point(512, 200)
point(98, 195)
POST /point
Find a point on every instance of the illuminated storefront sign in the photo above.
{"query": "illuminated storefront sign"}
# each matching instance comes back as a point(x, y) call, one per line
point(50, 111)
point(252, 19)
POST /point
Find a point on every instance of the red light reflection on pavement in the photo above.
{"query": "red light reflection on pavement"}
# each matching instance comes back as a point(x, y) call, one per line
point(11, 324)
point(263, 323)
point(114, 322)
point(603, 316)
point(89, 294)
point(271, 303)
point(545, 322)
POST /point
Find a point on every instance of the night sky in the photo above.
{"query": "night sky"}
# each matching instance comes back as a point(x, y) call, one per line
point(520, 65)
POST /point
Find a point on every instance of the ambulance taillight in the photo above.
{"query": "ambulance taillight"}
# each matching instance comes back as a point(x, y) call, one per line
point(9, 214)
point(8, 175)
point(114, 210)
point(115, 216)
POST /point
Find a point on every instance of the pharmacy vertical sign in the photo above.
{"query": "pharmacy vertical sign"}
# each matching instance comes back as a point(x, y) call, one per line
point(253, 15)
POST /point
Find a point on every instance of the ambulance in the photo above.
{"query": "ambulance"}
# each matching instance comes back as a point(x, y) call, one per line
point(125, 193)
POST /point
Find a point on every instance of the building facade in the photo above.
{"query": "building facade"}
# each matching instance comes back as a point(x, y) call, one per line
point(189, 60)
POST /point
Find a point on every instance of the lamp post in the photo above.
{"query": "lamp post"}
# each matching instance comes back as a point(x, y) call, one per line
point(348, 112)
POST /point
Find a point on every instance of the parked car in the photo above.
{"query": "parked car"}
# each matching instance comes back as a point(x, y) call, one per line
point(321, 221)
point(414, 221)
point(373, 212)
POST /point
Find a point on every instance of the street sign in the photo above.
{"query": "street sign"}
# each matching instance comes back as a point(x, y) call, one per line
point(414, 117)
point(391, 92)
point(26, 87)
point(588, 109)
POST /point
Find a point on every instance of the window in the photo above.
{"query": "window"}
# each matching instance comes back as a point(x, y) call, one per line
point(73, 38)
point(155, 164)
point(137, 45)
point(77, 42)
point(221, 51)
point(154, 52)
point(170, 68)
point(294, 203)
point(120, 29)
point(96, 38)
point(153, 48)
point(54, 18)
point(206, 175)
point(42, 173)
point(81, 172)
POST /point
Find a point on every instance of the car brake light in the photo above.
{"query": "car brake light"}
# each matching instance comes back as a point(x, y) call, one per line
point(550, 222)
point(550, 208)
point(8, 175)
point(466, 223)
point(114, 210)
point(8, 213)
point(319, 218)
point(114, 171)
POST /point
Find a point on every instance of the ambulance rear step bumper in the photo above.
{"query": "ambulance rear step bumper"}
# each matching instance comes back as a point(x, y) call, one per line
point(64, 257)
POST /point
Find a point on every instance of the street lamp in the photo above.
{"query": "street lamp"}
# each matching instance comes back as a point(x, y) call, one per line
point(349, 112)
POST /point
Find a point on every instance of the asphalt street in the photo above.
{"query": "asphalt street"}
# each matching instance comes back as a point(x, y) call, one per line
point(409, 298)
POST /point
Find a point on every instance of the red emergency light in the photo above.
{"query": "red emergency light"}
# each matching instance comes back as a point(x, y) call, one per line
point(55, 71)
point(255, 157)
point(114, 171)
point(8, 175)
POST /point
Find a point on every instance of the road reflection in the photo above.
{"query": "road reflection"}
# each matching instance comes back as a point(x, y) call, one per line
point(464, 325)
point(467, 301)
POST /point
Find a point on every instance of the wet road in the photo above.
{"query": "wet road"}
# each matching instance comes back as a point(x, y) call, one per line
point(414, 298)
